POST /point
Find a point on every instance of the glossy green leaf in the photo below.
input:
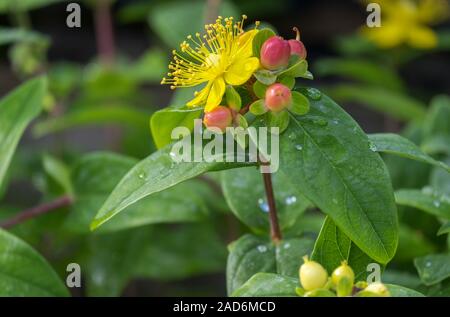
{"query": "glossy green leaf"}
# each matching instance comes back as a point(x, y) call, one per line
point(278, 120)
point(96, 175)
point(298, 68)
point(268, 285)
point(259, 89)
point(259, 39)
point(333, 246)
point(17, 110)
point(90, 116)
point(401, 291)
point(164, 121)
point(288, 81)
point(59, 172)
point(155, 173)
point(258, 107)
point(327, 156)
point(364, 71)
point(243, 189)
point(24, 272)
point(233, 98)
point(392, 103)
point(157, 252)
point(412, 243)
point(300, 104)
point(428, 200)
point(252, 254)
point(433, 268)
point(398, 145)
point(265, 77)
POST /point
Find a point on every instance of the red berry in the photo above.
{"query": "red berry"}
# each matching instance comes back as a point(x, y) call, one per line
point(220, 117)
point(297, 48)
point(275, 53)
point(278, 97)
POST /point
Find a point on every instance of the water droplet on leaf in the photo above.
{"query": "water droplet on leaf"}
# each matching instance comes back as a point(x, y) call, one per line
point(262, 248)
point(314, 93)
point(299, 147)
point(262, 203)
point(290, 200)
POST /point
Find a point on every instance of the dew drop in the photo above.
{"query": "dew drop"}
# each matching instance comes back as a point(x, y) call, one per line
point(299, 147)
point(427, 190)
point(290, 200)
point(428, 264)
point(287, 245)
point(141, 176)
point(314, 93)
point(335, 121)
point(436, 203)
point(372, 147)
point(292, 136)
point(262, 203)
point(262, 248)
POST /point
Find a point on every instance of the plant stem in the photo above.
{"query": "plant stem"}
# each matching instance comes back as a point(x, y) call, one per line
point(212, 10)
point(22, 216)
point(104, 32)
point(275, 231)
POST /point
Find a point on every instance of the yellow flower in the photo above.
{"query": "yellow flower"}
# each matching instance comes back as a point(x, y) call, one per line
point(222, 56)
point(406, 22)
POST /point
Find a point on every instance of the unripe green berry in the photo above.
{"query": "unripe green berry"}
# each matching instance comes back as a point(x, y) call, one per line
point(378, 288)
point(343, 271)
point(312, 275)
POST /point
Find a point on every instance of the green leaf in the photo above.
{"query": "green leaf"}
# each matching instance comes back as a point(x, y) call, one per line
point(164, 121)
point(398, 145)
point(259, 89)
point(187, 18)
point(427, 199)
point(265, 77)
point(258, 107)
point(288, 81)
point(445, 228)
point(244, 191)
point(95, 115)
point(327, 156)
point(59, 172)
point(436, 122)
point(333, 246)
point(278, 120)
point(96, 175)
point(259, 39)
point(17, 110)
point(24, 5)
point(24, 272)
point(392, 103)
point(364, 71)
point(155, 173)
point(300, 104)
point(233, 98)
point(296, 68)
point(412, 244)
point(13, 35)
point(158, 252)
point(252, 254)
point(400, 291)
point(433, 268)
point(268, 285)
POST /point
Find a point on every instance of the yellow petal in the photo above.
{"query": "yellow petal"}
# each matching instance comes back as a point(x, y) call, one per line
point(389, 35)
point(422, 37)
point(245, 43)
point(201, 97)
point(241, 70)
point(215, 94)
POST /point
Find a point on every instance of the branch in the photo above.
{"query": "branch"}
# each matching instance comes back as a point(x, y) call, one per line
point(22, 216)
point(275, 231)
point(104, 31)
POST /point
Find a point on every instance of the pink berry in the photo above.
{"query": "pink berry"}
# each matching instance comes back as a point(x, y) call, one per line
point(297, 48)
point(275, 53)
point(278, 97)
point(220, 117)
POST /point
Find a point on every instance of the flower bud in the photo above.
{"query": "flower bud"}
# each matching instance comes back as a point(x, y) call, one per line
point(220, 118)
point(378, 288)
point(278, 97)
point(343, 279)
point(312, 275)
point(275, 53)
point(297, 46)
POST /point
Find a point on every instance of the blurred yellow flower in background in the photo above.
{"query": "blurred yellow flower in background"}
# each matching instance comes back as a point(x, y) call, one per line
point(407, 22)
point(224, 55)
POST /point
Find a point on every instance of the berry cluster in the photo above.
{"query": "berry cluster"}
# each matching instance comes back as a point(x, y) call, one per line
point(316, 283)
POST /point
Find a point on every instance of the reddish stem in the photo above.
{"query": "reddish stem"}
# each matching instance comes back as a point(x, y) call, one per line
point(275, 231)
point(104, 32)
